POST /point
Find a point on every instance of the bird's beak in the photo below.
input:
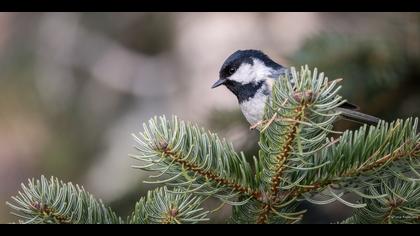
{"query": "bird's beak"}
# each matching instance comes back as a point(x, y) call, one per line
point(218, 83)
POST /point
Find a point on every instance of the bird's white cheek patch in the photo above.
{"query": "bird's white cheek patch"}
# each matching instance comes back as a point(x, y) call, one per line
point(244, 74)
point(248, 73)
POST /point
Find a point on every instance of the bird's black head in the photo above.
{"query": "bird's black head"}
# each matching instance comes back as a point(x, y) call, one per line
point(245, 71)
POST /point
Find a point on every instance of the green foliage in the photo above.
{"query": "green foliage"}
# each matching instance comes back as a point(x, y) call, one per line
point(363, 157)
point(299, 118)
point(300, 159)
point(399, 205)
point(54, 202)
point(164, 207)
point(191, 158)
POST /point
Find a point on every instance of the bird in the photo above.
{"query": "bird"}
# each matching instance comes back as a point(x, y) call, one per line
point(250, 74)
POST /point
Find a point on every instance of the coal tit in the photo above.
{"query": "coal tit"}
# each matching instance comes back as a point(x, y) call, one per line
point(250, 75)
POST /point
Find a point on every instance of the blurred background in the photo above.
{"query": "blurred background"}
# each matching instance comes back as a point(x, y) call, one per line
point(74, 86)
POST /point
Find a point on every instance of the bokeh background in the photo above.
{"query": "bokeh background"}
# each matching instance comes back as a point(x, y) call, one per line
point(74, 86)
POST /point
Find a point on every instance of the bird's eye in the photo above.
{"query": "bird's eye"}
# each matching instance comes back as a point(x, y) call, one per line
point(232, 70)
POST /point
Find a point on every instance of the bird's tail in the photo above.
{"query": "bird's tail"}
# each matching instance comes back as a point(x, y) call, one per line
point(352, 115)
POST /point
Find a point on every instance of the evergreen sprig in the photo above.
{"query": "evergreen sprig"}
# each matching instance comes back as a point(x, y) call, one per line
point(298, 160)
point(301, 158)
point(364, 157)
point(399, 206)
point(187, 156)
point(164, 207)
point(297, 120)
point(52, 201)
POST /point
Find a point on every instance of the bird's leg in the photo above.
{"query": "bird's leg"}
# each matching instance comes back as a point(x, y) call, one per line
point(269, 122)
point(261, 122)
point(252, 127)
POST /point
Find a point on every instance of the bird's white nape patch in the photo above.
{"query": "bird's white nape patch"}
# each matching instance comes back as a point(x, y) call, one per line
point(247, 73)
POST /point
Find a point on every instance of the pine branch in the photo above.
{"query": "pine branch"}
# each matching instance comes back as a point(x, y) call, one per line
point(164, 207)
point(251, 212)
point(400, 204)
point(194, 160)
point(54, 202)
point(300, 116)
point(297, 161)
point(364, 157)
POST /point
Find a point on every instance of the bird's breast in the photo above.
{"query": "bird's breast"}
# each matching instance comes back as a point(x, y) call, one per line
point(253, 108)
